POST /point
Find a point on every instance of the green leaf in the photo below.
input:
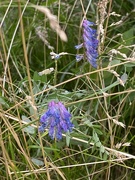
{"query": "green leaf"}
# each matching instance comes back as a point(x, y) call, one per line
point(45, 148)
point(98, 144)
point(105, 156)
point(124, 78)
point(88, 123)
point(114, 62)
point(37, 162)
point(131, 64)
point(102, 149)
point(3, 102)
point(28, 129)
point(128, 39)
point(68, 139)
point(98, 131)
point(95, 137)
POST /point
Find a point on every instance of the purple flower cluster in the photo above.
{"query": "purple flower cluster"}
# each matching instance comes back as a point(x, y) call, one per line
point(56, 119)
point(90, 43)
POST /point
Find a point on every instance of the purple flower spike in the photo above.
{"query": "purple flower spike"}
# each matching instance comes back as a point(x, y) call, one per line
point(56, 119)
point(90, 43)
point(87, 23)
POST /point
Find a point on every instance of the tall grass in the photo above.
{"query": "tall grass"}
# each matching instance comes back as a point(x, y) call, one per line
point(101, 101)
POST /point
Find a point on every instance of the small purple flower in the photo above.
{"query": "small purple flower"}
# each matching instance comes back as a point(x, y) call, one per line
point(56, 119)
point(79, 57)
point(79, 46)
point(90, 43)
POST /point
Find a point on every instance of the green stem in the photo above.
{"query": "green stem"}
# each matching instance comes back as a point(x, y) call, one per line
point(55, 72)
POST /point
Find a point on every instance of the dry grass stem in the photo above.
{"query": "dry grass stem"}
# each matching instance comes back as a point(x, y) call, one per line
point(116, 121)
point(119, 145)
point(102, 6)
point(29, 98)
point(114, 14)
point(46, 71)
point(54, 24)
point(42, 34)
point(121, 81)
point(117, 23)
point(114, 51)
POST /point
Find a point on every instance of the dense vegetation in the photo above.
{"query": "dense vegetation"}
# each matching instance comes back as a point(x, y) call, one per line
point(38, 65)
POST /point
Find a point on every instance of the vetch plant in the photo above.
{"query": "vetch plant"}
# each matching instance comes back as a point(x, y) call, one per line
point(56, 119)
point(90, 43)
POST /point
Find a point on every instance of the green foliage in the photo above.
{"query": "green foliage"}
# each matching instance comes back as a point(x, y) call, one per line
point(101, 100)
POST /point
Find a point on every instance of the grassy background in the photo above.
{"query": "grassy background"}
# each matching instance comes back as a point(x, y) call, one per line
point(101, 101)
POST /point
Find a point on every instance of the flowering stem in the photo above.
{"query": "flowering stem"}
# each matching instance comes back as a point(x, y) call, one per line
point(55, 72)
point(56, 119)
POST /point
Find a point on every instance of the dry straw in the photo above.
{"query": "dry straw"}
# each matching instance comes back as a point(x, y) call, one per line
point(54, 24)
point(42, 34)
point(102, 6)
